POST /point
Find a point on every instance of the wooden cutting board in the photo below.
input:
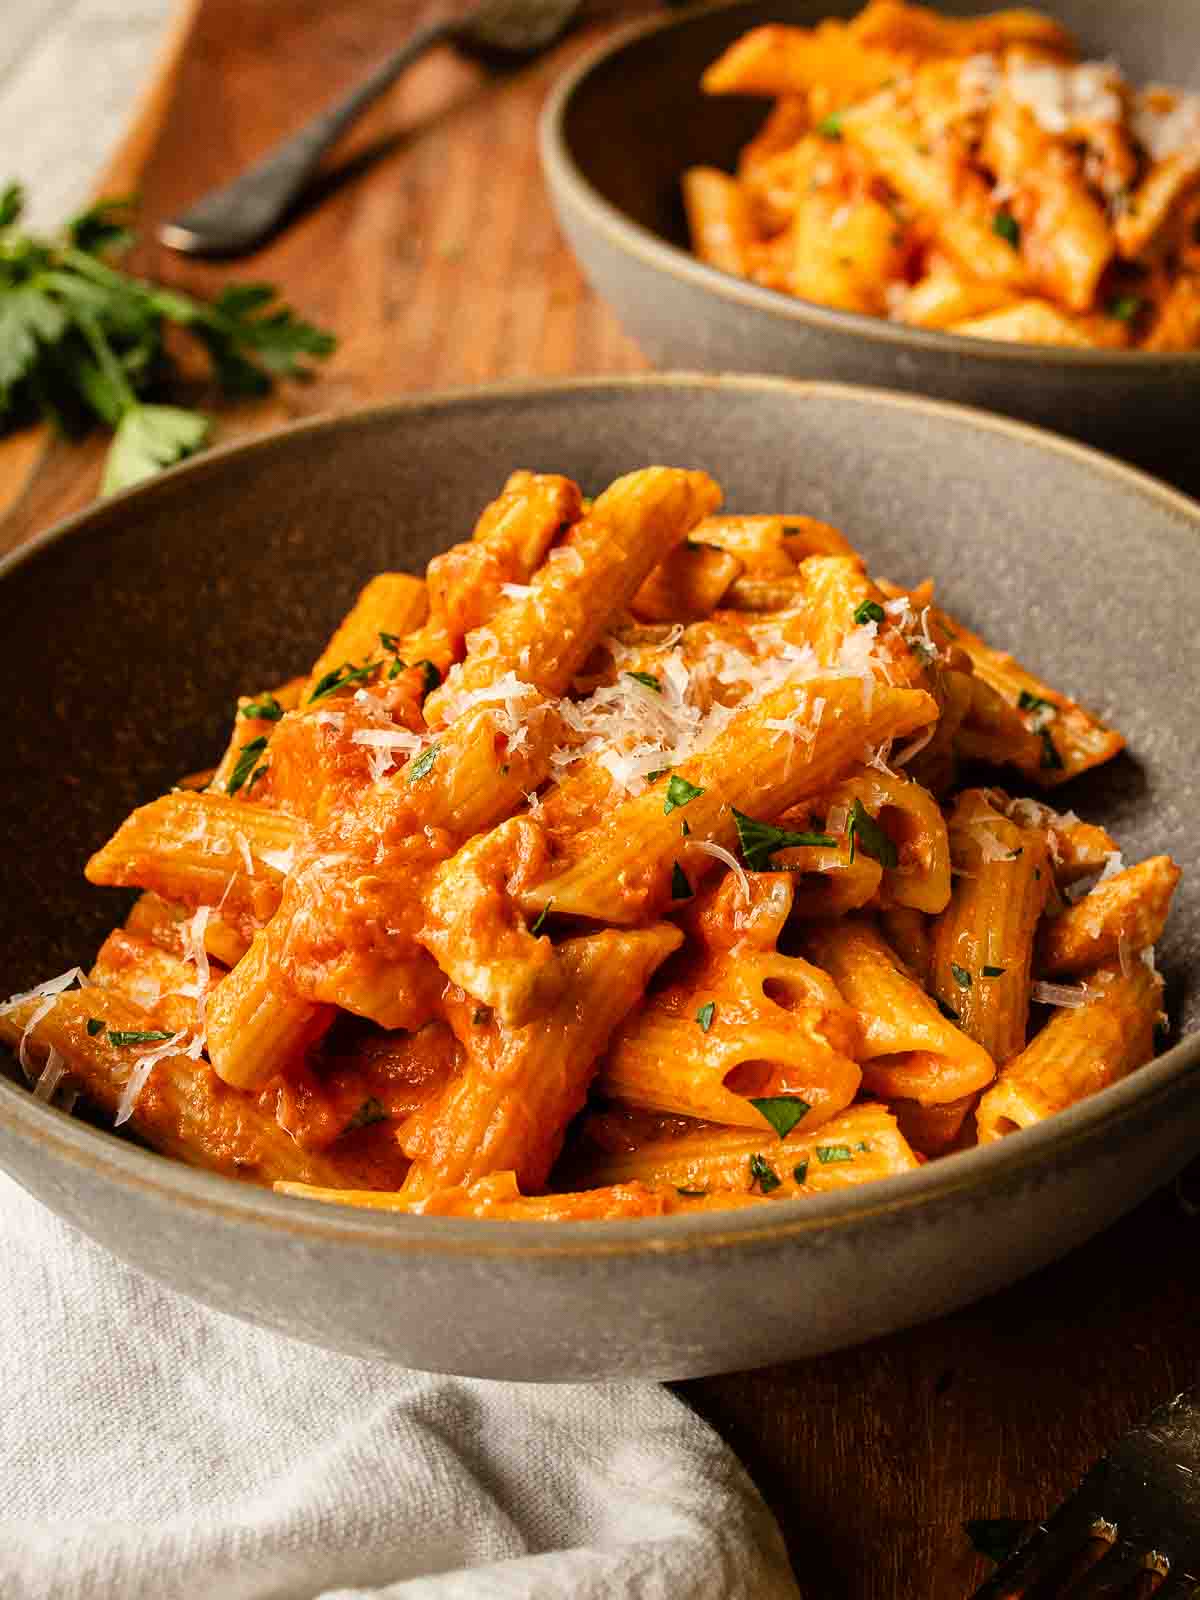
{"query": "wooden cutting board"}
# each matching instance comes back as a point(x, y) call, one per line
point(437, 261)
point(434, 255)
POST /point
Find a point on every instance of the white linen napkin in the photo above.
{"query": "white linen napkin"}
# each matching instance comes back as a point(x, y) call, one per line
point(152, 1447)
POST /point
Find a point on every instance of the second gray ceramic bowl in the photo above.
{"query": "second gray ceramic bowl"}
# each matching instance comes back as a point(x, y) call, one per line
point(621, 128)
point(229, 573)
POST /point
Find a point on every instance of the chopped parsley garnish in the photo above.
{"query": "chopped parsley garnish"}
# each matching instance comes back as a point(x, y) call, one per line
point(997, 1538)
point(706, 1014)
point(396, 668)
point(759, 840)
point(540, 921)
point(960, 975)
point(679, 793)
point(1125, 307)
point(1007, 227)
point(782, 1111)
point(389, 641)
point(659, 772)
point(267, 709)
point(763, 1174)
point(341, 678)
point(420, 767)
point(683, 828)
point(1051, 759)
point(257, 774)
point(992, 972)
point(830, 127)
point(122, 1037)
point(369, 1112)
point(862, 830)
point(95, 1025)
point(834, 1152)
point(800, 1171)
point(690, 1194)
point(681, 889)
point(1034, 702)
point(647, 678)
point(431, 675)
point(245, 765)
point(862, 1145)
point(868, 611)
point(947, 1011)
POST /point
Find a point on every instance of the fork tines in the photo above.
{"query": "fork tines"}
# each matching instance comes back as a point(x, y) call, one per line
point(1131, 1530)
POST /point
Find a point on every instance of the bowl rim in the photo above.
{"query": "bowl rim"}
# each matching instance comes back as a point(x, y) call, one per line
point(571, 187)
point(164, 1180)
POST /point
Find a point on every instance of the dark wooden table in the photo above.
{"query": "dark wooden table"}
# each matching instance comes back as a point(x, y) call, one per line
point(436, 258)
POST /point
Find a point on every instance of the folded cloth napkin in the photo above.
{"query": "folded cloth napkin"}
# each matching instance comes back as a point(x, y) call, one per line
point(152, 1447)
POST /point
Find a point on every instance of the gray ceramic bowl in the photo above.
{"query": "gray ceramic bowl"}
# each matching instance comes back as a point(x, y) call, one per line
point(129, 630)
point(620, 129)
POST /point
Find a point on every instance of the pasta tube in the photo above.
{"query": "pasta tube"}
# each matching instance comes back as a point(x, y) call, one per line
point(509, 1107)
point(1121, 916)
point(983, 942)
point(1079, 1051)
point(909, 1049)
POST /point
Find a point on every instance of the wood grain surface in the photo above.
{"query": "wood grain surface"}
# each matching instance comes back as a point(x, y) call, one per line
point(435, 257)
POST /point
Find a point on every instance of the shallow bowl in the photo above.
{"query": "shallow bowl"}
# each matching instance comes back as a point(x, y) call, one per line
point(129, 630)
point(621, 128)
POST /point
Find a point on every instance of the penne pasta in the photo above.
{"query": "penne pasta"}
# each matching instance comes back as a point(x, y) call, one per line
point(614, 869)
point(1080, 1051)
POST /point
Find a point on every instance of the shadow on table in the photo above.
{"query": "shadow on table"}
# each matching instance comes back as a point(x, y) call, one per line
point(872, 1459)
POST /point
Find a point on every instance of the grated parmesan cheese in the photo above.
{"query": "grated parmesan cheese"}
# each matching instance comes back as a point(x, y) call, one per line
point(1069, 995)
point(1061, 98)
point(142, 1068)
point(50, 1077)
point(47, 992)
point(978, 81)
point(719, 853)
point(281, 861)
point(914, 747)
point(243, 845)
point(1167, 124)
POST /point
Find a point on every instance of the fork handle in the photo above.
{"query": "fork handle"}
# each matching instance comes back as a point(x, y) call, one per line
point(233, 219)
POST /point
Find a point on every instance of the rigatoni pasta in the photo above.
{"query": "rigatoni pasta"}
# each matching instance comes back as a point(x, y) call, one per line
point(616, 868)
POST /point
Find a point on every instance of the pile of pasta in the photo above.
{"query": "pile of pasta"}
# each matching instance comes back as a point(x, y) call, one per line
point(614, 869)
point(963, 174)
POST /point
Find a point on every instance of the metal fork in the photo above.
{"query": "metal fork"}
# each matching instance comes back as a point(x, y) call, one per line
point(1131, 1530)
point(238, 216)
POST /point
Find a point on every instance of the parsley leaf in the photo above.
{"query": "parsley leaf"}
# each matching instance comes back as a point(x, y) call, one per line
point(244, 765)
point(341, 678)
point(800, 1171)
point(647, 678)
point(149, 438)
point(763, 1174)
point(679, 793)
point(706, 1014)
point(992, 972)
point(759, 840)
point(122, 1037)
point(541, 918)
point(369, 1112)
point(834, 1152)
point(1051, 759)
point(81, 340)
point(782, 1111)
point(862, 829)
point(1125, 307)
point(681, 889)
point(960, 975)
point(868, 611)
point(95, 1025)
point(431, 675)
point(267, 709)
point(1007, 227)
point(690, 1193)
point(420, 766)
point(830, 127)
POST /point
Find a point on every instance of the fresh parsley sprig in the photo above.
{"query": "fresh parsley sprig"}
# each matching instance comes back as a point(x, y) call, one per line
point(83, 342)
